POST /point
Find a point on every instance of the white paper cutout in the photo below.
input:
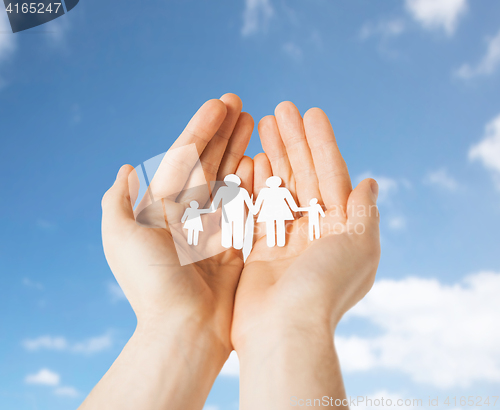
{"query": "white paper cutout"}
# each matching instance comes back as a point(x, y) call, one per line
point(192, 222)
point(232, 199)
point(314, 211)
point(273, 206)
point(249, 227)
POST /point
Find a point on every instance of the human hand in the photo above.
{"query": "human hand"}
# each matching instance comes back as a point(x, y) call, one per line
point(290, 299)
point(144, 260)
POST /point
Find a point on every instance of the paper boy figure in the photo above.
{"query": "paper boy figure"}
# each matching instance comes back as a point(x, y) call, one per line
point(314, 211)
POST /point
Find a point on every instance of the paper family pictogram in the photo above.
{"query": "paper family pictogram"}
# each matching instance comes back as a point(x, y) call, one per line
point(274, 206)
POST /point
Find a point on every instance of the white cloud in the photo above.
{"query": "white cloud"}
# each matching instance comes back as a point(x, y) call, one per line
point(32, 284)
point(89, 346)
point(45, 342)
point(386, 186)
point(116, 292)
point(67, 391)
point(438, 334)
point(93, 345)
point(442, 179)
point(211, 407)
point(232, 366)
point(7, 39)
point(487, 151)
point(58, 32)
point(487, 65)
point(397, 223)
point(44, 377)
point(437, 14)
point(256, 16)
point(293, 50)
point(45, 225)
point(388, 28)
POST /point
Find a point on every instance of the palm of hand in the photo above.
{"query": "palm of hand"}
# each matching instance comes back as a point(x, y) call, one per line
point(317, 280)
point(145, 260)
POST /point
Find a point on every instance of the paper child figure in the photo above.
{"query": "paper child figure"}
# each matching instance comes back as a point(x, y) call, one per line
point(276, 203)
point(314, 211)
point(192, 222)
point(232, 199)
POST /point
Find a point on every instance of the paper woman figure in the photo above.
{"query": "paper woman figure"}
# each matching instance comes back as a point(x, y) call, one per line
point(192, 222)
point(314, 211)
point(276, 203)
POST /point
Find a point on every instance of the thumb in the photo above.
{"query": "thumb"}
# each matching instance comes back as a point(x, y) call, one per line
point(116, 205)
point(362, 205)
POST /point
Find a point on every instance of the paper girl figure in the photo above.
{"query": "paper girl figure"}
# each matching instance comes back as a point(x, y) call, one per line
point(314, 211)
point(192, 222)
point(276, 203)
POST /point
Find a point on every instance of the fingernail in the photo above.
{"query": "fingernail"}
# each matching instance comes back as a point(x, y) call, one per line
point(374, 188)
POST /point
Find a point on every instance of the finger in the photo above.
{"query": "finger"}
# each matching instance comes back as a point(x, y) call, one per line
point(237, 146)
point(199, 185)
point(276, 152)
point(182, 158)
point(214, 151)
point(203, 125)
point(333, 176)
point(291, 128)
point(116, 204)
point(134, 185)
point(245, 172)
point(261, 171)
point(362, 211)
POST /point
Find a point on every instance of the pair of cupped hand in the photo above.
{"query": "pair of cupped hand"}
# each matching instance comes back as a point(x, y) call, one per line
point(303, 285)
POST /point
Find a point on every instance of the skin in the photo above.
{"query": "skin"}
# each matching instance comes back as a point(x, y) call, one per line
point(184, 313)
point(278, 311)
point(289, 300)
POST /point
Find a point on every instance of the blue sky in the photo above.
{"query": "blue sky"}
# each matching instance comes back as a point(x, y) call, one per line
point(412, 89)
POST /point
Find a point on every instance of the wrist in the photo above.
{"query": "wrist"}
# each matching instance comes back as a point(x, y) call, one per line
point(271, 334)
point(183, 334)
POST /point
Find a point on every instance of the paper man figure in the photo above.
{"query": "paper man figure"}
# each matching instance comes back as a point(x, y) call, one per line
point(232, 199)
point(314, 211)
point(192, 222)
point(276, 203)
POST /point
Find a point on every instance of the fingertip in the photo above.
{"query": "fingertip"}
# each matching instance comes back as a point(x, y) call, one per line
point(246, 162)
point(124, 171)
point(266, 122)
point(374, 188)
point(232, 100)
point(245, 172)
point(314, 113)
point(247, 119)
point(260, 158)
point(217, 107)
point(368, 186)
point(285, 108)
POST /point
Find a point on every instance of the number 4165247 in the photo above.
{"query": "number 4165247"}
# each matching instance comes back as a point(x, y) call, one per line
point(33, 8)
